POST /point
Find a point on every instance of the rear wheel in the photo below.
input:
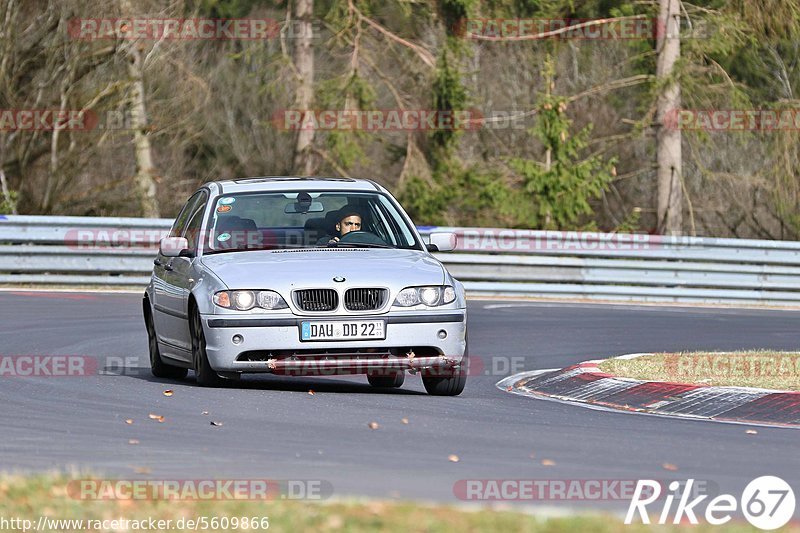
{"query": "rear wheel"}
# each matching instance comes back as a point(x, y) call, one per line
point(157, 366)
point(206, 376)
point(391, 380)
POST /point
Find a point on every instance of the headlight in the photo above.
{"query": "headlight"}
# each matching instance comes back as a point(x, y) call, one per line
point(243, 300)
point(246, 300)
point(271, 300)
point(407, 297)
point(430, 296)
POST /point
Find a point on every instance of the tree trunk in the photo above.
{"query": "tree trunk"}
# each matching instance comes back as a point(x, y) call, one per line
point(145, 170)
point(10, 203)
point(304, 98)
point(145, 177)
point(668, 139)
point(52, 178)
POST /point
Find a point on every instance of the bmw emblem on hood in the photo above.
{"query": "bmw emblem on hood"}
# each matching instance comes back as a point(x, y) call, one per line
point(338, 279)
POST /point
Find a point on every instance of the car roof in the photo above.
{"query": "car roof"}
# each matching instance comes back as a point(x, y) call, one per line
point(283, 183)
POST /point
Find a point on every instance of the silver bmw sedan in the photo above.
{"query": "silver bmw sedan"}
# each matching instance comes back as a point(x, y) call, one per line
point(304, 276)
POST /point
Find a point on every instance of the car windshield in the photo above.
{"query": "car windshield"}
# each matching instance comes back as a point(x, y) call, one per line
point(270, 221)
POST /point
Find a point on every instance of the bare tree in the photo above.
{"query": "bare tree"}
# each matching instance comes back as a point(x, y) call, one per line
point(668, 139)
point(145, 177)
point(304, 63)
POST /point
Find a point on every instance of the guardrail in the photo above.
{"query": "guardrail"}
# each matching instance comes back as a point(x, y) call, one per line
point(631, 267)
point(41, 250)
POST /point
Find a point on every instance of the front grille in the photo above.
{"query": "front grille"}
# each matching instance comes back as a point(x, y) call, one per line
point(316, 299)
point(364, 299)
point(334, 353)
point(331, 353)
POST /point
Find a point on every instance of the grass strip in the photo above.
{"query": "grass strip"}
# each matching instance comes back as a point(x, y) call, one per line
point(761, 369)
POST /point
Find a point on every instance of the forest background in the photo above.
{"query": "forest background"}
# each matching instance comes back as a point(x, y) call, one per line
point(567, 130)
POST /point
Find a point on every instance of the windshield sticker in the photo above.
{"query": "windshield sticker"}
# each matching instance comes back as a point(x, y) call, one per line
point(222, 237)
point(226, 201)
point(223, 209)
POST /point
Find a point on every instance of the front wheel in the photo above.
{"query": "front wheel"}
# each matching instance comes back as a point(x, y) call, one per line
point(452, 382)
point(205, 375)
point(387, 381)
point(157, 366)
point(451, 385)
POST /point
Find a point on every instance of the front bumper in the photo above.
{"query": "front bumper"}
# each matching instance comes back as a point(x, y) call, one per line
point(412, 342)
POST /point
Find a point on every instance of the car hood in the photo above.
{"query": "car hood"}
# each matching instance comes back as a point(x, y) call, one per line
point(290, 269)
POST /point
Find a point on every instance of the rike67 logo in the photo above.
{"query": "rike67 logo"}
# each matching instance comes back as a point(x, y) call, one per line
point(767, 503)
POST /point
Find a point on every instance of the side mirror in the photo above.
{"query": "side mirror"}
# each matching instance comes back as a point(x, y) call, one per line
point(173, 246)
point(442, 242)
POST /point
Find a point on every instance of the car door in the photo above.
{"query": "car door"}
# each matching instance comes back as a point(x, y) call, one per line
point(168, 314)
point(182, 274)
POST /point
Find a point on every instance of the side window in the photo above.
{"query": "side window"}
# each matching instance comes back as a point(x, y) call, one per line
point(179, 226)
point(192, 232)
point(382, 227)
point(397, 228)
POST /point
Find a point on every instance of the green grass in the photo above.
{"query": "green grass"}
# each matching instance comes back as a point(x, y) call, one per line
point(30, 497)
point(762, 369)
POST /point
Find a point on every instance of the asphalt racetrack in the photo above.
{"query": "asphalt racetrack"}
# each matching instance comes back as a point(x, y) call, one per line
point(273, 428)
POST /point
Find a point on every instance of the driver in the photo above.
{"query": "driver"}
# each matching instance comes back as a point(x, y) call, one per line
point(349, 221)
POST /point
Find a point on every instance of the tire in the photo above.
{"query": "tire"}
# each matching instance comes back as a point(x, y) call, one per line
point(392, 380)
point(205, 375)
point(446, 386)
point(158, 367)
point(449, 385)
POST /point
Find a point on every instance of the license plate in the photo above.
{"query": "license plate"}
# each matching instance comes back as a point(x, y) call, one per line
point(342, 330)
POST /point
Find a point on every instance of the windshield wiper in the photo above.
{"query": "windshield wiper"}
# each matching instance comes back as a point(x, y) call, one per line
point(226, 250)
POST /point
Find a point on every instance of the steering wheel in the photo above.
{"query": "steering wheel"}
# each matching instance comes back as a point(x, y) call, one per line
point(361, 237)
